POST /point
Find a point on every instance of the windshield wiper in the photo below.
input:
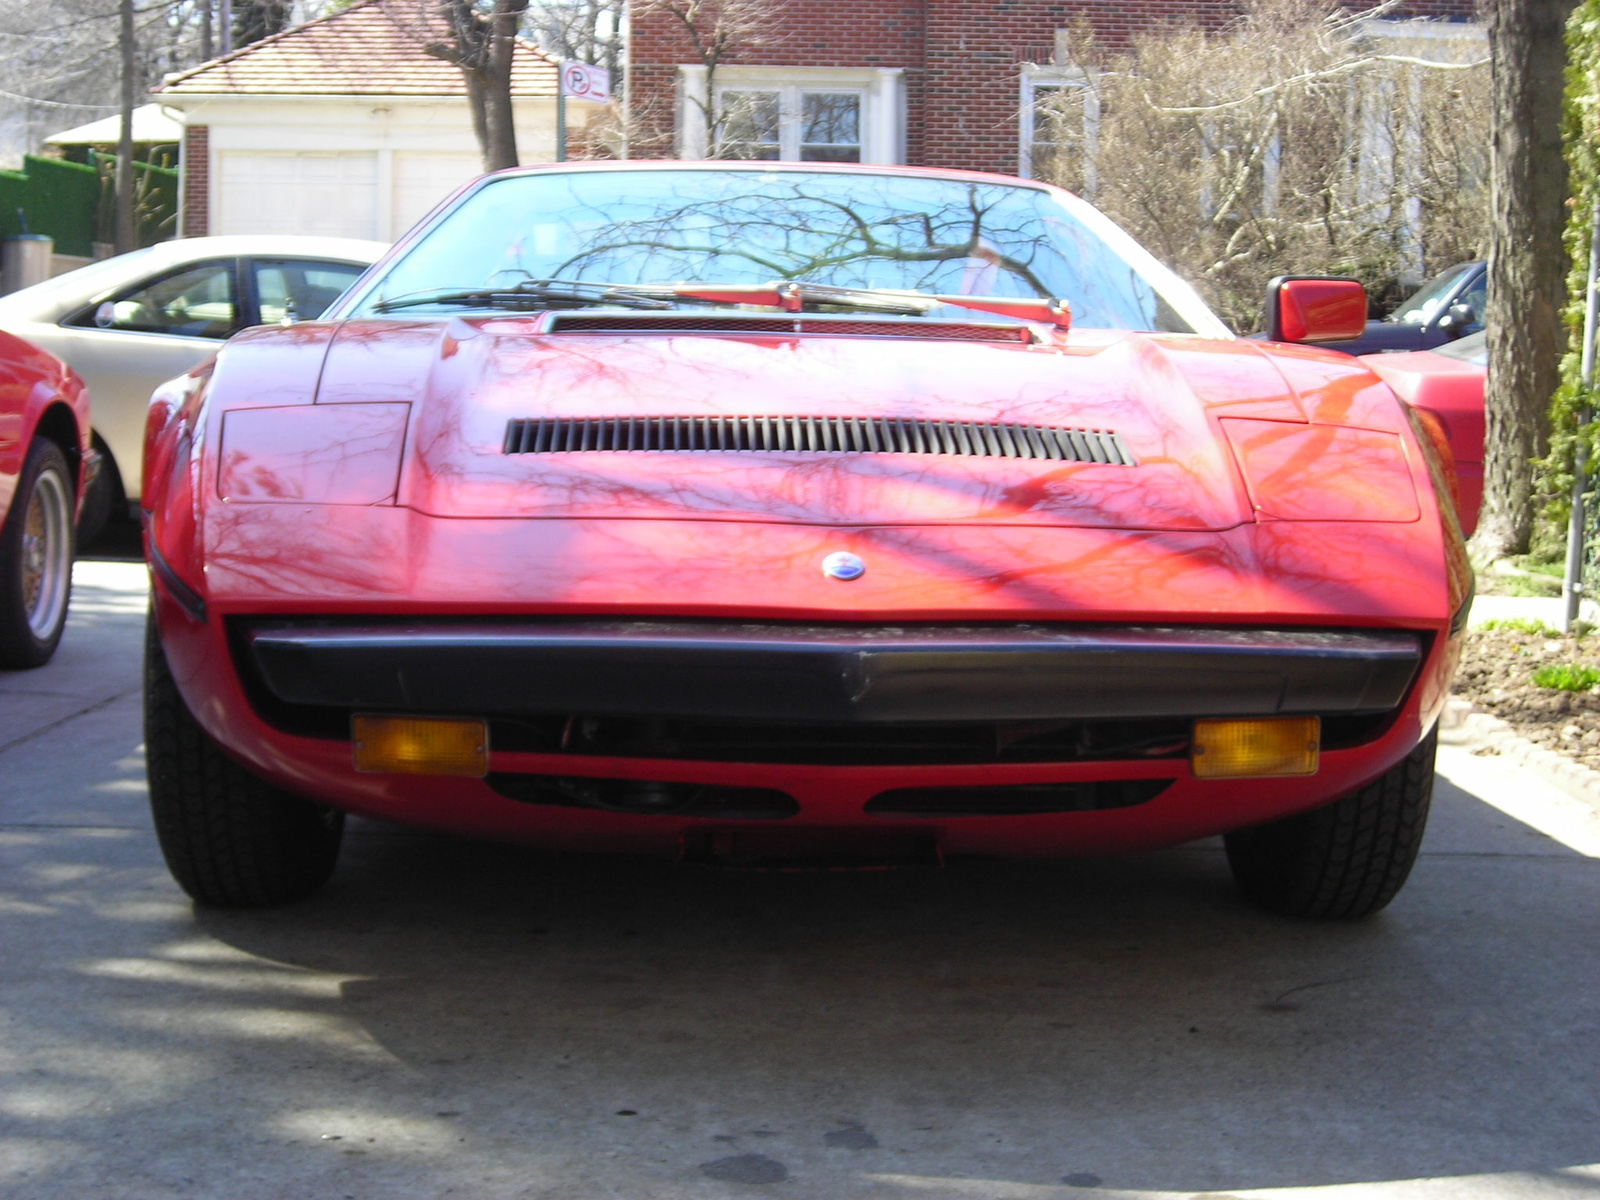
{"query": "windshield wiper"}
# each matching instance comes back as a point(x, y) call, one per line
point(531, 295)
point(796, 296)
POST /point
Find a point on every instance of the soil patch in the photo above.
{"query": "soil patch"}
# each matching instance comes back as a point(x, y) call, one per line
point(1498, 664)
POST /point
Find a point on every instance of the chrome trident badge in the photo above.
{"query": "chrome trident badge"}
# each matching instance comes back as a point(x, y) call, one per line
point(843, 566)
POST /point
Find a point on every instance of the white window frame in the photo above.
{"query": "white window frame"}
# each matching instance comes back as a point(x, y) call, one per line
point(1386, 156)
point(1036, 78)
point(882, 92)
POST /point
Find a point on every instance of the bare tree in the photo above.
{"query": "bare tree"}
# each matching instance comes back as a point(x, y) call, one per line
point(1288, 141)
point(478, 37)
point(127, 233)
point(1527, 262)
point(583, 30)
point(717, 32)
point(62, 63)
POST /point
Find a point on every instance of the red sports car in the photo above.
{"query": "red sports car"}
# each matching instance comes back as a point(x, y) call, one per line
point(785, 514)
point(45, 463)
point(1445, 386)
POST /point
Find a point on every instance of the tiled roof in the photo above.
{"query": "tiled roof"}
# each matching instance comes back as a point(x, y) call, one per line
point(372, 48)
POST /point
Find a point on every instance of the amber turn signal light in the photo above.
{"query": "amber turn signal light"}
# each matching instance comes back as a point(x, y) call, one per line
point(1256, 748)
point(420, 745)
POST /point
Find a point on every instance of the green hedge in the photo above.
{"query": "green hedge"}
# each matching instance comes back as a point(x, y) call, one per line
point(61, 199)
point(75, 203)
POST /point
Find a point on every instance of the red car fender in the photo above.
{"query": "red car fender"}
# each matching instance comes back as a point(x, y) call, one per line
point(1451, 392)
point(41, 393)
point(260, 371)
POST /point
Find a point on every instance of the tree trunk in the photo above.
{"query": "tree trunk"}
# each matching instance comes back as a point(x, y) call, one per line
point(126, 232)
point(500, 144)
point(206, 22)
point(1527, 261)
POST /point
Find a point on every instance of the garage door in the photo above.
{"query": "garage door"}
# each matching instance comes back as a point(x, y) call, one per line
point(334, 195)
point(421, 180)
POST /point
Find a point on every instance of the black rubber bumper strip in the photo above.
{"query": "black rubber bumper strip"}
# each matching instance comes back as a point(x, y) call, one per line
point(833, 672)
point(186, 597)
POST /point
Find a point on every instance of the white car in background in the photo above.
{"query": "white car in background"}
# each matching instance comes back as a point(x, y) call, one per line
point(130, 323)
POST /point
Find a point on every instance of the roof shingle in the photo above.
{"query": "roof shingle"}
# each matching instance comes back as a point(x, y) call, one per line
point(372, 48)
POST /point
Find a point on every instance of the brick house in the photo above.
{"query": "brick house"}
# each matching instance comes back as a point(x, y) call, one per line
point(942, 83)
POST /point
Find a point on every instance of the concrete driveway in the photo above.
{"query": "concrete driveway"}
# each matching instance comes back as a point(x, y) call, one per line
point(459, 1019)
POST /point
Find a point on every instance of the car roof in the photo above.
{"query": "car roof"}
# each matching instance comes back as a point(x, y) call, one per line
point(267, 244)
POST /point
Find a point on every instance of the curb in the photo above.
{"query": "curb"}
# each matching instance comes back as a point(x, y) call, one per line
point(1465, 725)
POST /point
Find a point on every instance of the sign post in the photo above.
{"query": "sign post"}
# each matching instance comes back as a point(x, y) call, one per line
point(582, 82)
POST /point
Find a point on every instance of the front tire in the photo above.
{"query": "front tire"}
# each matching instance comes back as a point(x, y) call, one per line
point(230, 838)
point(36, 551)
point(1347, 859)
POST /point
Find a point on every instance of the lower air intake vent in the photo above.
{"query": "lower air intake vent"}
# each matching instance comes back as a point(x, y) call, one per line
point(1016, 800)
point(640, 796)
point(817, 435)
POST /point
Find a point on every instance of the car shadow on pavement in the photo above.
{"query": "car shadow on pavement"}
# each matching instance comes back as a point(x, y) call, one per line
point(1126, 1024)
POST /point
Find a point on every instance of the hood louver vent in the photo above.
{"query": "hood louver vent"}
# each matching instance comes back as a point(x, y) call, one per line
point(814, 435)
point(756, 326)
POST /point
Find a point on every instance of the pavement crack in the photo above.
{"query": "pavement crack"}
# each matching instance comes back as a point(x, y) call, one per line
point(68, 719)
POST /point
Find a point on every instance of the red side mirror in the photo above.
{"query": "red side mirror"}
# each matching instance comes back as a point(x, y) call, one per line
point(1306, 309)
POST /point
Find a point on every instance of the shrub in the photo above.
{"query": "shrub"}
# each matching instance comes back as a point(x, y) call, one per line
point(1567, 677)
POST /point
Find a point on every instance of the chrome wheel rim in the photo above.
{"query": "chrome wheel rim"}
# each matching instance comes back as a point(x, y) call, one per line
point(47, 554)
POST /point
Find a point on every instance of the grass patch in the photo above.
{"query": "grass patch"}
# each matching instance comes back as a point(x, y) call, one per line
point(1519, 625)
point(1567, 677)
point(1528, 585)
point(1536, 564)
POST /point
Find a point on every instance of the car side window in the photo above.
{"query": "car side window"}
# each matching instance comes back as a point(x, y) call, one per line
point(195, 301)
point(289, 290)
point(1476, 297)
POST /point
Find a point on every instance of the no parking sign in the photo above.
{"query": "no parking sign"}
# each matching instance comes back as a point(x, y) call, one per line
point(584, 82)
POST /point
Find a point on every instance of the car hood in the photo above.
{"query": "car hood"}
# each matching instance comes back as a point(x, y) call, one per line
point(1160, 395)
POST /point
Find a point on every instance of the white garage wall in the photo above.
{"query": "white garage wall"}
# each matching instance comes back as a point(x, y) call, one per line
point(327, 194)
point(357, 166)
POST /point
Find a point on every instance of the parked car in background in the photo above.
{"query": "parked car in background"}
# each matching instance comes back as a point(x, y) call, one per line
point(132, 322)
point(1447, 307)
point(45, 459)
point(796, 514)
point(1446, 384)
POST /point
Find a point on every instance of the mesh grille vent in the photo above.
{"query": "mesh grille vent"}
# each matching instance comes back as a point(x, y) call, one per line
point(814, 435)
point(960, 331)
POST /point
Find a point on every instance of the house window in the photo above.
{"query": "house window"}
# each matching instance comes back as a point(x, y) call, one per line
point(1059, 127)
point(752, 125)
point(797, 124)
point(797, 114)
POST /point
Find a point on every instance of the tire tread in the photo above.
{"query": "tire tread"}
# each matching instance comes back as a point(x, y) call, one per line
point(230, 839)
point(1348, 859)
point(19, 647)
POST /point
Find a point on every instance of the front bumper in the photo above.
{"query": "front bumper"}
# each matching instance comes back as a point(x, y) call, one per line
point(285, 569)
point(832, 673)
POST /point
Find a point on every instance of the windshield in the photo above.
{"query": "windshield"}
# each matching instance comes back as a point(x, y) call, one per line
point(753, 227)
point(1474, 348)
point(1420, 309)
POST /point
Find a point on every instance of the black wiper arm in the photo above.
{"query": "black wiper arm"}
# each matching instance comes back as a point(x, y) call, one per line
point(531, 295)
